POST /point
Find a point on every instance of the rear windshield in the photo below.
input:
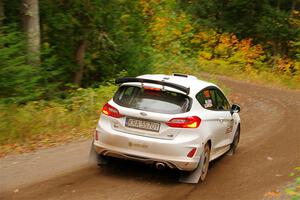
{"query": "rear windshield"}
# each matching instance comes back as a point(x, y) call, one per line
point(151, 100)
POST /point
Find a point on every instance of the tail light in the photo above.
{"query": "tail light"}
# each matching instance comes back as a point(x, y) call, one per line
point(188, 122)
point(111, 111)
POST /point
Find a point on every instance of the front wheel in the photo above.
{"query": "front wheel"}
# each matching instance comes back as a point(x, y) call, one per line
point(235, 141)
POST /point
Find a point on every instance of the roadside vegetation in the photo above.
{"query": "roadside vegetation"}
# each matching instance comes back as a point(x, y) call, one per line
point(290, 190)
point(293, 190)
point(55, 78)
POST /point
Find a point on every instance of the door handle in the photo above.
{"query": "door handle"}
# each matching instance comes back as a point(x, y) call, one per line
point(221, 119)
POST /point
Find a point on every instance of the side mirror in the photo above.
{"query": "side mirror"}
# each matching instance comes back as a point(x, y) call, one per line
point(235, 108)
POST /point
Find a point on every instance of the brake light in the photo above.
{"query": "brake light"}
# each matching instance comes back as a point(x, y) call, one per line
point(188, 122)
point(111, 111)
point(151, 88)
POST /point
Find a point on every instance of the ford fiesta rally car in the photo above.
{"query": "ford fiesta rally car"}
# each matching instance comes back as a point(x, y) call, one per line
point(175, 121)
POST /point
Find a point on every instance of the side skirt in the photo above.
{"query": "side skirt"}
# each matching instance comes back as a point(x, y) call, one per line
point(219, 152)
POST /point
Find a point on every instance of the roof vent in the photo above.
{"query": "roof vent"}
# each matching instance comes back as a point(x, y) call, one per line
point(185, 76)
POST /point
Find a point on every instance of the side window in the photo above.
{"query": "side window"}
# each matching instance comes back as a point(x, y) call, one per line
point(126, 94)
point(221, 101)
point(206, 99)
point(213, 99)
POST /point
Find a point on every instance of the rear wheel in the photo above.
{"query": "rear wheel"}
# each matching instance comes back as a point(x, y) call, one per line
point(199, 174)
point(206, 156)
point(101, 160)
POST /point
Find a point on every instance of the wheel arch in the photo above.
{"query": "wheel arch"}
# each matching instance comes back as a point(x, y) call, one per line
point(209, 143)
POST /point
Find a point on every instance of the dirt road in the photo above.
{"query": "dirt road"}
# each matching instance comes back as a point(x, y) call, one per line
point(268, 151)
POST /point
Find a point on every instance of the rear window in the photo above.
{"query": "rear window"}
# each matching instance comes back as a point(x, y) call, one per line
point(166, 102)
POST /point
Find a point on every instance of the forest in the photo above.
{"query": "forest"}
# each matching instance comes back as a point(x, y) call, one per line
point(59, 58)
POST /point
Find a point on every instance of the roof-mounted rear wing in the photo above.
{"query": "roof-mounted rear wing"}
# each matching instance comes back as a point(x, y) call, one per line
point(163, 83)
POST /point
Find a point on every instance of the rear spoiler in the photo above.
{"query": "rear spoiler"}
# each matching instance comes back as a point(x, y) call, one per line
point(163, 83)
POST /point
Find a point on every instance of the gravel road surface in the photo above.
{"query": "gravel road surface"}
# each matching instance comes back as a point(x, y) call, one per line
point(269, 149)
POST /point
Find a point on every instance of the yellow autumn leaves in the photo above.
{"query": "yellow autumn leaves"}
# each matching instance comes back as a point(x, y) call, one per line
point(172, 35)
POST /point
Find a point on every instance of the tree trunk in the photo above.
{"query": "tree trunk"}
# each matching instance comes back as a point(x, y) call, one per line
point(31, 23)
point(275, 48)
point(80, 53)
point(218, 32)
point(278, 5)
point(293, 7)
point(2, 15)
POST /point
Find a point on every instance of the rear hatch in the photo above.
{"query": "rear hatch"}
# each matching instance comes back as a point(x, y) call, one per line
point(146, 110)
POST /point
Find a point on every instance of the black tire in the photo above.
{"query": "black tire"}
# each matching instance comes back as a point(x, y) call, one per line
point(206, 157)
point(101, 160)
point(236, 140)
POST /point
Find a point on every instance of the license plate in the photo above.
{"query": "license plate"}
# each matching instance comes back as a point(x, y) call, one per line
point(142, 124)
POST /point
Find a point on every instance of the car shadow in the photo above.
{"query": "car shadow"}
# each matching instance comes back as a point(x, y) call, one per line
point(139, 171)
point(142, 172)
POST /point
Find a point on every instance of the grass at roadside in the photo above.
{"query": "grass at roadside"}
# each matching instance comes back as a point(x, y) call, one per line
point(293, 190)
point(40, 124)
point(263, 77)
point(290, 190)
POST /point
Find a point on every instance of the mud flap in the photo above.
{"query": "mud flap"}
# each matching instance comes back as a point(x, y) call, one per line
point(92, 154)
point(193, 176)
point(230, 152)
point(95, 158)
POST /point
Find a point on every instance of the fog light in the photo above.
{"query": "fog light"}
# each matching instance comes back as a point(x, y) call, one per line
point(192, 152)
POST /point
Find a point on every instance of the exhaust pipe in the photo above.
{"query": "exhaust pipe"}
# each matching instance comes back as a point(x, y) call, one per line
point(160, 166)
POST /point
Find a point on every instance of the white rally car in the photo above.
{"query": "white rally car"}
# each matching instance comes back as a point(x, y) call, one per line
point(175, 121)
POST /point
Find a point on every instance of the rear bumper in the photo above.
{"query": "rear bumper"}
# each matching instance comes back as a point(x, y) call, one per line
point(148, 150)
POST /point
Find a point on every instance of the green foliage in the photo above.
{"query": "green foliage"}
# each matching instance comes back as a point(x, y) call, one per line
point(144, 37)
point(271, 23)
point(114, 31)
point(18, 80)
point(52, 80)
point(274, 26)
